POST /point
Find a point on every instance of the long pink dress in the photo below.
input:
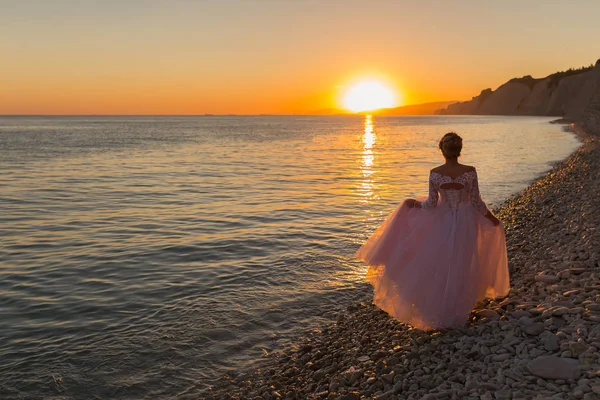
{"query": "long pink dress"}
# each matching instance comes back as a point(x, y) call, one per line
point(430, 266)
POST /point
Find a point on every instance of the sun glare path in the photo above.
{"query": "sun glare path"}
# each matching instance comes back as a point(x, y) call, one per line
point(368, 140)
point(368, 159)
point(369, 96)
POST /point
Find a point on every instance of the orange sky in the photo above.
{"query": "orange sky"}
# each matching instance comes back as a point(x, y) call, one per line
point(264, 56)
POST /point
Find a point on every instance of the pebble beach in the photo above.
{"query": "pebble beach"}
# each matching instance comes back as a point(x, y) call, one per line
point(539, 342)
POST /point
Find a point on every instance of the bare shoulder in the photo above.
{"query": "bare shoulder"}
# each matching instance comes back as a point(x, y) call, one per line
point(468, 168)
point(438, 169)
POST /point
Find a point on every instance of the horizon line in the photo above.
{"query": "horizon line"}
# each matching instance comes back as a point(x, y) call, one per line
point(362, 114)
point(316, 113)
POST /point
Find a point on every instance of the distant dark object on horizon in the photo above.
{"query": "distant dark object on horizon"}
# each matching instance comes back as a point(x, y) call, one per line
point(414, 109)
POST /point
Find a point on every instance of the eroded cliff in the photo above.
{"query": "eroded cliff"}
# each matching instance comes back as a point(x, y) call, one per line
point(570, 94)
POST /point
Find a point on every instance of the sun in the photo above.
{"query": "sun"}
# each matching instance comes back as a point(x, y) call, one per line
point(368, 96)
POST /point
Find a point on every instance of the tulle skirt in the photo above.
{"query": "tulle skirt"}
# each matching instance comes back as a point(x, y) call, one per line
point(429, 267)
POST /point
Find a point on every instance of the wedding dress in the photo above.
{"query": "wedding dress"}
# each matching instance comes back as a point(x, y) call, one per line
point(430, 265)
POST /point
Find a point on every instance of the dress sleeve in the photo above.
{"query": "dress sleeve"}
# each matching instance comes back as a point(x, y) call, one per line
point(475, 195)
point(432, 200)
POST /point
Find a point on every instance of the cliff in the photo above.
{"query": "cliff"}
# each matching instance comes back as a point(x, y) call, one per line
point(571, 94)
point(590, 117)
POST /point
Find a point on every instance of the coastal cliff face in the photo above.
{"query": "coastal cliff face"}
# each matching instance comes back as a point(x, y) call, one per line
point(590, 117)
point(571, 94)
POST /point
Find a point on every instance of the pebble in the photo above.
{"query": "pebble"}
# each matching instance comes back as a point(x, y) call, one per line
point(503, 395)
point(551, 367)
point(533, 329)
point(350, 396)
point(471, 384)
point(501, 357)
point(551, 343)
point(577, 348)
point(546, 278)
point(489, 314)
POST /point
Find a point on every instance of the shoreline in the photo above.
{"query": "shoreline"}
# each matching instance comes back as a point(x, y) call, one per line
point(552, 311)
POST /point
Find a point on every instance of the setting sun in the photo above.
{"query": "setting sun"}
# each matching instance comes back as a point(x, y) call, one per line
point(368, 96)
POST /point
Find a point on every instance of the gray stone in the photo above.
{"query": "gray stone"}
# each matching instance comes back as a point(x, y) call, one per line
point(551, 343)
point(560, 311)
point(551, 367)
point(471, 384)
point(320, 374)
point(350, 396)
point(334, 385)
point(503, 395)
point(489, 386)
point(584, 388)
point(489, 314)
point(546, 278)
point(533, 329)
point(577, 348)
point(566, 354)
point(351, 376)
point(521, 313)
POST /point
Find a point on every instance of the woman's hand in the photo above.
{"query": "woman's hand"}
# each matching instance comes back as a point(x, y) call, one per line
point(412, 203)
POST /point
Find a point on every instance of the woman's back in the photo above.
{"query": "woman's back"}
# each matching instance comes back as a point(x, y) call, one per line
point(452, 170)
point(458, 187)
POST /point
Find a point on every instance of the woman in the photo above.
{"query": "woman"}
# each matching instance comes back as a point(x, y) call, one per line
point(431, 261)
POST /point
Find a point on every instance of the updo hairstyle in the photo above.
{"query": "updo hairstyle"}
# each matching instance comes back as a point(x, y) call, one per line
point(451, 145)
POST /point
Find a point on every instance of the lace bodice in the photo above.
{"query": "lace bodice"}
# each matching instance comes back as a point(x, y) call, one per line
point(456, 196)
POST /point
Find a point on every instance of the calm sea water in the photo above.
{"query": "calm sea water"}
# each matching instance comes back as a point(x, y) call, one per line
point(142, 257)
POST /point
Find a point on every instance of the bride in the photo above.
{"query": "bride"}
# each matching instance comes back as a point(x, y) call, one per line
point(431, 261)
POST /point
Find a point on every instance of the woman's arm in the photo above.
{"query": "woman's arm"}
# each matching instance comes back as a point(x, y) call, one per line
point(431, 201)
point(478, 202)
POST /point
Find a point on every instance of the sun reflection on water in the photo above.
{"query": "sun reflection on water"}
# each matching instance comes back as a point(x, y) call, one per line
point(368, 158)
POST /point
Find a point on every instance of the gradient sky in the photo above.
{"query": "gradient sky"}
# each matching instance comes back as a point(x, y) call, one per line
point(275, 56)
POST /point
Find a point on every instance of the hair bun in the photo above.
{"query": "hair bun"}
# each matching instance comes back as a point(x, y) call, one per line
point(451, 145)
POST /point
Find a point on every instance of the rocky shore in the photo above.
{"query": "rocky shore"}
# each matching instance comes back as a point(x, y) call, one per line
point(540, 342)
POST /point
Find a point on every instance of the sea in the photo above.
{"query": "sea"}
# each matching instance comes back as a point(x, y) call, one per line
point(144, 257)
